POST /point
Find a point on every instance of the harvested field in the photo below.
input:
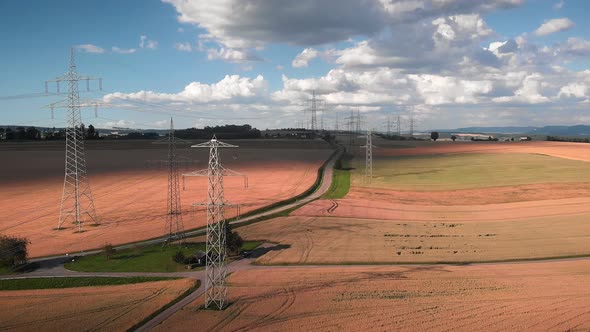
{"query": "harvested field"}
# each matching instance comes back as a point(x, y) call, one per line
point(332, 240)
point(574, 151)
point(106, 308)
point(130, 198)
point(441, 298)
point(470, 171)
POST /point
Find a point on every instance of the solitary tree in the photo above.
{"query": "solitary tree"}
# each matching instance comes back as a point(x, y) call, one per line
point(13, 251)
point(233, 240)
point(91, 132)
point(453, 138)
point(109, 251)
point(434, 135)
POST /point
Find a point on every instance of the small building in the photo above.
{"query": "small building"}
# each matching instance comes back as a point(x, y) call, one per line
point(525, 138)
point(473, 137)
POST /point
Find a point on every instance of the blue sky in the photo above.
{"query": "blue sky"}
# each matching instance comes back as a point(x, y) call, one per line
point(247, 64)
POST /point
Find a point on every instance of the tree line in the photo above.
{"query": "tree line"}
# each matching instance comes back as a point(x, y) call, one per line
point(33, 134)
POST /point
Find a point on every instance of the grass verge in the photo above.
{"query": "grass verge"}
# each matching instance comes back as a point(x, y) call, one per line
point(340, 184)
point(153, 258)
point(70, 282)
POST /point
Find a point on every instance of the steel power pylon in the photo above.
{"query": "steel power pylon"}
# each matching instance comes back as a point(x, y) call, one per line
point(174, 224)
point(216, 270)
point(369, 156)
point(314, 103)
point(77, 204)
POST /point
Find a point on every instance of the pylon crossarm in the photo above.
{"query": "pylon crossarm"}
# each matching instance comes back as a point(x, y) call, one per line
point(166, 140)
point(201, 172)
point(230, 172)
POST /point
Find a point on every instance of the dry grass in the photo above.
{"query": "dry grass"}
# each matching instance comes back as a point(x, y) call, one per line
point(439, 298)
point(105, 308)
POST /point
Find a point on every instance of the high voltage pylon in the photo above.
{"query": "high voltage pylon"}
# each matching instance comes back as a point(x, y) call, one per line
point(77, 204)
point(411, 126)
point(174, 224)
point(314, 107)
point(369, 156)
point(216, 270)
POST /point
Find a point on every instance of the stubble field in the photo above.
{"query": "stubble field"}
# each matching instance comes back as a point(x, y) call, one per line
point(448, 206)
point(130, 195)
point(433, 298)
point(105, 308)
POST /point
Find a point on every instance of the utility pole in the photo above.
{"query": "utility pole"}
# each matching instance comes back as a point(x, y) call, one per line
point(77, 204)
point(216, 269)
point(411, 126)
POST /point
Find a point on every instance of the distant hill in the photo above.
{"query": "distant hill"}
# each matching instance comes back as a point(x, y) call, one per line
point(577, 130)
point(494, 130)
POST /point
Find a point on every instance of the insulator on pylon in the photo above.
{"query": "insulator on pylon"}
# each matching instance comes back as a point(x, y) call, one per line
point(87, 84)
point(100, 84)
point(57, 87)
point(46, 89)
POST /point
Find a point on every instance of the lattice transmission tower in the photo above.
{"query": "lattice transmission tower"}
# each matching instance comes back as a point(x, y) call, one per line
point(314, 106)
point(369, 155)
point(216, 270)
point(77, 204)
point(174, 224)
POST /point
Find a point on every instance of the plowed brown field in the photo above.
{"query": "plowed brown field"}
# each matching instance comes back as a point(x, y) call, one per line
point(130, 199)
point(105, 308)
point(531, 297)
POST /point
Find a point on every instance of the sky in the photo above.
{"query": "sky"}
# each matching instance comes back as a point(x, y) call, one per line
point(445, 63)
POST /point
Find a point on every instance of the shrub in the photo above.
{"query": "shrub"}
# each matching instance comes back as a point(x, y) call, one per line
point(109, 251)
point(179, 257)
point(13, 251)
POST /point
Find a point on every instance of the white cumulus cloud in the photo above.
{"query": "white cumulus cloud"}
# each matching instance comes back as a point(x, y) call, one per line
point(302, 59)
point(90, 48)
point(145, 42)
point(116, 49)
point(183, 47)
point(231, 87)
point(553, 26)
